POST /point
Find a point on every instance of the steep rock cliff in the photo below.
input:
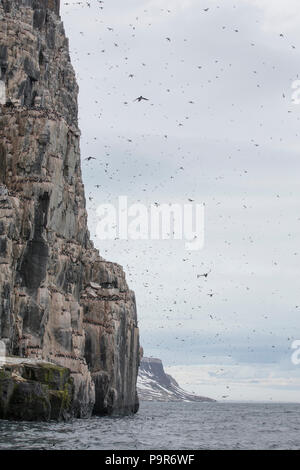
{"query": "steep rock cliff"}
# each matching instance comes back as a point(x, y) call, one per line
point(59, 300)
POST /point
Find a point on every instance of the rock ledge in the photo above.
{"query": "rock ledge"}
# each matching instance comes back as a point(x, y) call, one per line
point(35, 391)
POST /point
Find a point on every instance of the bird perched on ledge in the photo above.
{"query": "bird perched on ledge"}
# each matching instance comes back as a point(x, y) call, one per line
point(9, 103)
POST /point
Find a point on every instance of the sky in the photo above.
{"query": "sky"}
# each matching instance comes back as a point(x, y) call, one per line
point(220, 127)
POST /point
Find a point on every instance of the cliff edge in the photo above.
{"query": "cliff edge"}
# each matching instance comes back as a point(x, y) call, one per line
point(59, 300)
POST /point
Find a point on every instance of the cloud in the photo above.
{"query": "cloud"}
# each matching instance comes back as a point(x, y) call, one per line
point(253, 382)
point(278, 15)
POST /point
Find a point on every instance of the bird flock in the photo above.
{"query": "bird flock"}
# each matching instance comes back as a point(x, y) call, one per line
point(174, 114)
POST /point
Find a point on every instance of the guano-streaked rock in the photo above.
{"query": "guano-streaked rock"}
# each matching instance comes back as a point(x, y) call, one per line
point(60, 301)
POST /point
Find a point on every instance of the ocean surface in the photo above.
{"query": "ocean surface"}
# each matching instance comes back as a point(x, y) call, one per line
point(167, 426)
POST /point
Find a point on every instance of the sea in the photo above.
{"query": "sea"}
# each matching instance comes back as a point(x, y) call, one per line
point(166, 426)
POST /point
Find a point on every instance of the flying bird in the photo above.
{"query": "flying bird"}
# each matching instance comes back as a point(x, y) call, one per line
point(203, 275)
point(140, 98)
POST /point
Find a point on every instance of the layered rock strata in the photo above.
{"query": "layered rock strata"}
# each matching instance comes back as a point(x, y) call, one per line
point(59, 300)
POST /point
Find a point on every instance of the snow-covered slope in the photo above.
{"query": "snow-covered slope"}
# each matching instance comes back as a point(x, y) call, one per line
point(155, 385)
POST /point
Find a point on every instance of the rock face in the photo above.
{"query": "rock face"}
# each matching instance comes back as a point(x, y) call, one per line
point(155, 385)
point(35, 392)
point(59, 300)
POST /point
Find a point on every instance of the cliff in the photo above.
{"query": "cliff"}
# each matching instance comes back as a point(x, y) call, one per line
point(155, 385)
point(59, 300)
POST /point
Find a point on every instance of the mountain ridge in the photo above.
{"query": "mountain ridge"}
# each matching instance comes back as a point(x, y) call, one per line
point(154, 384)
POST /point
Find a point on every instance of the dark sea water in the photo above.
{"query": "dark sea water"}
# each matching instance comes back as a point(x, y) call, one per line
point(164, 426)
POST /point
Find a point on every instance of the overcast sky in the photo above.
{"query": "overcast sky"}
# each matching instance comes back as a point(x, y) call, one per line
point(220, 127)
